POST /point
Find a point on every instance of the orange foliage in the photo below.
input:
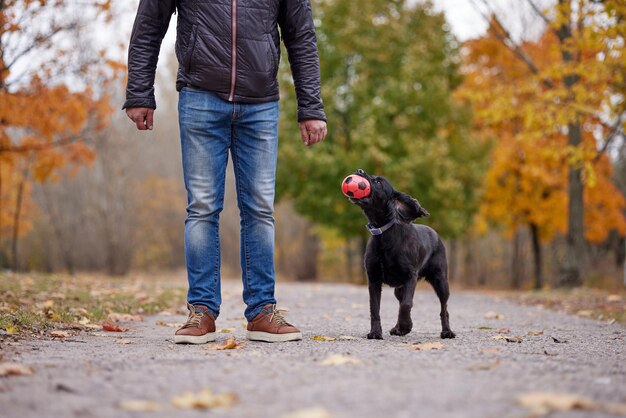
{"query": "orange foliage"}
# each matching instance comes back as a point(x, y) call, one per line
point(44, 121)
point(527, 113)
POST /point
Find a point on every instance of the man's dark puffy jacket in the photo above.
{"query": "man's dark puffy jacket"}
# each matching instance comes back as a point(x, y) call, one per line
point(229, 47)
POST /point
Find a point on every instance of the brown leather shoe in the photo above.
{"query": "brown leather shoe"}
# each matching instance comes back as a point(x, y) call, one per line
point(270, 326)
point(199, 328)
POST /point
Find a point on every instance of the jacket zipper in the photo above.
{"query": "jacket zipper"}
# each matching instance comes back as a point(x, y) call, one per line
point(233, 52)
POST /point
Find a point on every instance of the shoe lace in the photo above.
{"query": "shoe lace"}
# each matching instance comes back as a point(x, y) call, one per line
point(277, 316)
point(193, 320)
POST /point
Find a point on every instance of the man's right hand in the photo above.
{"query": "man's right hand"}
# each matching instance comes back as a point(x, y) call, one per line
point(142, 116)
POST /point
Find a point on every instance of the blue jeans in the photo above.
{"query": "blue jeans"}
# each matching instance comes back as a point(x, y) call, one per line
point(209, 128)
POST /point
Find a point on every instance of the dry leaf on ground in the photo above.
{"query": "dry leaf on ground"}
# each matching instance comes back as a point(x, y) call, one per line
point(122, 341)
point(503, 330)
point(226, 330)
point(169, 324)
point(60, 334)
point(535, 332)
point(559, 340)
point(322, 338)
point(229, 344)
point(140, 406)
point(508, 338)
point(339, 360)
point(485, 365)
point(493, 315)
point(204, 399)
point(120, 317)
point(493, 350)
point(108, 326)
point(14, 369)
point(346, 337)
point(436, 345)
point(542, 403)
point(315, 412)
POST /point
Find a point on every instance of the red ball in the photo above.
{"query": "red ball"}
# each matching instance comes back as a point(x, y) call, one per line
point(356, 187)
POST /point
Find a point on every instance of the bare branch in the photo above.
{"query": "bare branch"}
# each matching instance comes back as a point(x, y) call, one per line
point(541, 14)
point(507, 40)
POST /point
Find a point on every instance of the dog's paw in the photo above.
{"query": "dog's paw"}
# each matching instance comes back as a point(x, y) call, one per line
point(447, 334)
point(398, 330)
point(375, 335)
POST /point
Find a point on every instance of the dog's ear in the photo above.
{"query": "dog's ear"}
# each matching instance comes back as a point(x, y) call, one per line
point(407, 208)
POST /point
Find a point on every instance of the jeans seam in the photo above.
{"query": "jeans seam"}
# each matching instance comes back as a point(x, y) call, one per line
point(240, 199)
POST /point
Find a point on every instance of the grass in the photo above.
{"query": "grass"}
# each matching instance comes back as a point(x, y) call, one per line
point(32, 304)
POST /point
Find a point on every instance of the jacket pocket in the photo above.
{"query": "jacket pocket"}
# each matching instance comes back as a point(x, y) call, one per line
point(275, 55)
point(191, 46)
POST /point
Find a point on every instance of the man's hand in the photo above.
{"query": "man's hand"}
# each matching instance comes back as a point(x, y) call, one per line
point(142, 116)
point(312, 131)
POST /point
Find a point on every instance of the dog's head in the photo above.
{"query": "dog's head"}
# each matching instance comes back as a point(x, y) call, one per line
point(385, 203)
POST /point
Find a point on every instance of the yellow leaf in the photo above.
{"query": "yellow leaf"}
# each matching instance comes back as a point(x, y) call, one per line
point(322, 338)
point(140, 406)
point(339, 360)
point(229, 344)
point(436, 345)
point(204, 399)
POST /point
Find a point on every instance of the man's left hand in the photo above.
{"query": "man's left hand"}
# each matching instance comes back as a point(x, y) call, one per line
point(312, 131)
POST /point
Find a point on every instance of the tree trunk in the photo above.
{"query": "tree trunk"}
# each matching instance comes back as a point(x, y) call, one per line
point(516, 264)
point(537, 258)
point(571, 270)
point(16, 219)
point(452, 266)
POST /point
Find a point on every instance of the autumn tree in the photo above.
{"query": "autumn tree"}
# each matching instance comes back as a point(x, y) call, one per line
point(555, 105)
point(53, 96)
point(388, 70)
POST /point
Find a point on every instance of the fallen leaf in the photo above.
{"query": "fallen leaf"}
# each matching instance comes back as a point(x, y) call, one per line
point(84, 320)
point(60, 334)
point(108, 326)
point(613, 298)
point(322, 338)
point(507, 338)
point(503, 330)
point(485, 365)
point(339, 360)
point(559, 340)
point(535, 332)
point(170, 324)
point(315, 412)
point(140, 406)
point(14, 369)
point(427, 346)
point(549, 354)
point(226, 330)
point(493, 315)
point(11, 329)
point(544, 402)
point(120, 317)
point(204, 399)
point(585, 313)
point(346, 337)
point(493, 350)
point(229, 344)
point(122, 341)
point(485, 328)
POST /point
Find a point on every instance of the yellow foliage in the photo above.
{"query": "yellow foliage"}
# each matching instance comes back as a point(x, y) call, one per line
point(528, 113)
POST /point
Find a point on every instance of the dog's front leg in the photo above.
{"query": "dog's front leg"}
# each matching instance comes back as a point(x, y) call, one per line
point(376, 331)
point(405, 297)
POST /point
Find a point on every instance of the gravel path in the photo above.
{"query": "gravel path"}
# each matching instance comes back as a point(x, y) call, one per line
point(473, 375)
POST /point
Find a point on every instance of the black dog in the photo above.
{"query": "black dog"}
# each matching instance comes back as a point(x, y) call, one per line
point(400, 253)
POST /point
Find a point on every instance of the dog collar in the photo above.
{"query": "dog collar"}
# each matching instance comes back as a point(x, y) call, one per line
point(378, 231)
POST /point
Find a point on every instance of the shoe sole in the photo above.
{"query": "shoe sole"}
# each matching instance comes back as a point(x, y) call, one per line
point(195, 339)
point(273, 338)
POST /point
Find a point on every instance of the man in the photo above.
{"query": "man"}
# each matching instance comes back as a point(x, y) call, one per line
point(228, 53)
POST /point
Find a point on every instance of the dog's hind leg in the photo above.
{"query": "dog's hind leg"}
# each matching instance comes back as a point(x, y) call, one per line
point(439, 281)
point(404, 295)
